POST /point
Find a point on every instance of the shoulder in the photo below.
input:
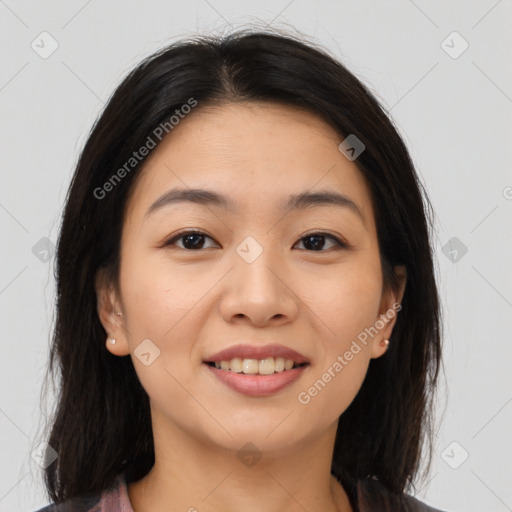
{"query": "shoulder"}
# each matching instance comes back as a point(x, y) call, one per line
point(112, 499)
point(89, 503)
point(373, 496)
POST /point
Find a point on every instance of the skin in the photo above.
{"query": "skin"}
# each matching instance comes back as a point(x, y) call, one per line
point(192, 303)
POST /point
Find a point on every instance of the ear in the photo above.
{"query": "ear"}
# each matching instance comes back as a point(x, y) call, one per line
point(391, 304)
point(109, 307)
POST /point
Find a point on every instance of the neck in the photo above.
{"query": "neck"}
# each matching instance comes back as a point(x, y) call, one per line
point(193, 475)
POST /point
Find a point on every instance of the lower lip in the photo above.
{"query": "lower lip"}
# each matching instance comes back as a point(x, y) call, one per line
point(257, 385)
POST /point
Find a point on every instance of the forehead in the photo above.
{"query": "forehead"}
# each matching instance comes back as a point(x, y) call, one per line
point(257, 154)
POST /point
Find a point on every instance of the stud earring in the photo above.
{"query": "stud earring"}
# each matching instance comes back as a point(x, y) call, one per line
point(384, 343)
point(119, 313)
point(112, 341)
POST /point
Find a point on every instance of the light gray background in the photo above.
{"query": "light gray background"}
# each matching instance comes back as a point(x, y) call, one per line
point(455, 116)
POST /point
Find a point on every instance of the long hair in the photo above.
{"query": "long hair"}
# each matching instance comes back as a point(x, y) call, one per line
point(101, 425)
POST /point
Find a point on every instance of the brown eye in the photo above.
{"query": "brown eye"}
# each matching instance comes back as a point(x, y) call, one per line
point(191, 240)
point(316, 241)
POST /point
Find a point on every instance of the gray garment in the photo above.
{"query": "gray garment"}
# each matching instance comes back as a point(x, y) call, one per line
point(372, 496)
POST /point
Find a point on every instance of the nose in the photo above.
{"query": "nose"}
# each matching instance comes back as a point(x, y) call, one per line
point(259, 293)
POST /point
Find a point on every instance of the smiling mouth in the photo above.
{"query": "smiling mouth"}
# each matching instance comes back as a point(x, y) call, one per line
point(267, 366)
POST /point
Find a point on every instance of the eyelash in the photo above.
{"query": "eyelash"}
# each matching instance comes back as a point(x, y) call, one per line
point(340, 243)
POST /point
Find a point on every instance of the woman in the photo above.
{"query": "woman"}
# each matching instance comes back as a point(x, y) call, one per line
point(247, 310)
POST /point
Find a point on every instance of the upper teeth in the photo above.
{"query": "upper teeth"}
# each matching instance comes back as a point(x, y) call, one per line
point(265, 366)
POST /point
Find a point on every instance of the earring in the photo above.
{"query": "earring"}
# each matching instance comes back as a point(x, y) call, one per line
point(119, 313)
point(384, 343)
point(112, 341)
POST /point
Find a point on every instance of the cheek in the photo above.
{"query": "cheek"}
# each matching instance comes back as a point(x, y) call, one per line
point(162, 305)
point(332, 388)
point(159, 296)
point(346, 305)
point(348, 299)
point(345, 354)
point(158, 304)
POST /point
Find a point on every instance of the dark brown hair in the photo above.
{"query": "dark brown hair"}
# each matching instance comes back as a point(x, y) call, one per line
point(101, 426)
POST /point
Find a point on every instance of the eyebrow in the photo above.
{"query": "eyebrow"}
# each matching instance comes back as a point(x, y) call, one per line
point(295, 202)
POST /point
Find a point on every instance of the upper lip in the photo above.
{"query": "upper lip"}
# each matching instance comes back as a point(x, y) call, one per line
point(257, 352)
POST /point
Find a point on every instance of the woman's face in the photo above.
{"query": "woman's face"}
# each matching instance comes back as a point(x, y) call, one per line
point(262, 271)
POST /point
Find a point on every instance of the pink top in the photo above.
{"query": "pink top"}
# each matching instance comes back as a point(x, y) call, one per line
point(371, 497)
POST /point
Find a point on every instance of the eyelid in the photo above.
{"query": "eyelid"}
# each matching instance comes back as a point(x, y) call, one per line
point(340, 241)
point(326, 234)
point(190, 231)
